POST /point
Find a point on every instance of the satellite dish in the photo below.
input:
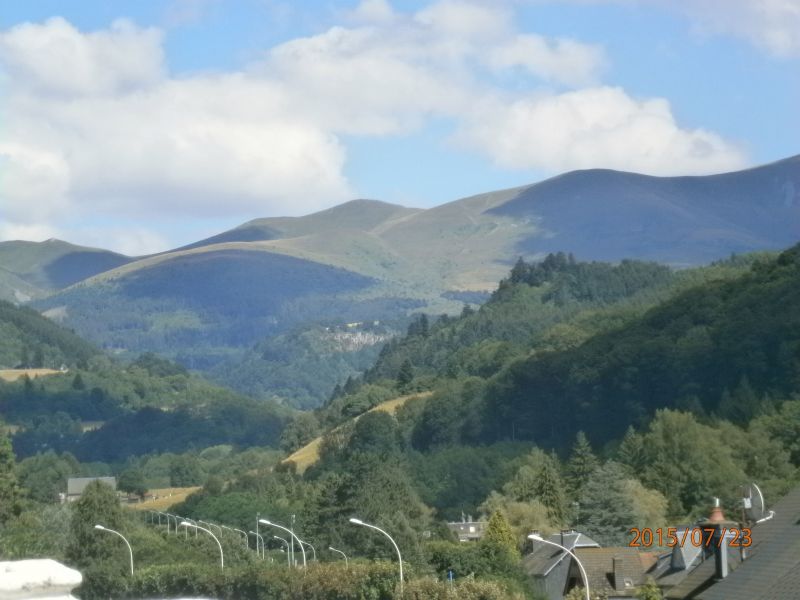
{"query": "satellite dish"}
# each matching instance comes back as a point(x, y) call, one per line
point(753, 503)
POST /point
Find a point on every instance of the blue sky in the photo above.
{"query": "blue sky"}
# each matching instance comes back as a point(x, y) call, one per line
point(140, 126)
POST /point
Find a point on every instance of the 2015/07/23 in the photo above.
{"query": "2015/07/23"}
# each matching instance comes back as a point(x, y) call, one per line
point(696, 536)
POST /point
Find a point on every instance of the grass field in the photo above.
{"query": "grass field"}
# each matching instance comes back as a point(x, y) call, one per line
point(309, 454)
point(164, 498)
point(14, 374)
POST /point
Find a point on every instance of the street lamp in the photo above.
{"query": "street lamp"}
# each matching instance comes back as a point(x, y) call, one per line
point(288, 556)
point(259, 538)
point(244, 535)
point(166, 516)
point(193, 522)
point(313, 551)
point(355, 521)
point(537, 538)
point(209, 532)
point(130, 550)
point(290, 532)
point(340, 552)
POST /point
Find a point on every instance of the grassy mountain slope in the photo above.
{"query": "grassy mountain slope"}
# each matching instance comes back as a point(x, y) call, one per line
point(610, 215)
point(54, 264)
point(367, 260)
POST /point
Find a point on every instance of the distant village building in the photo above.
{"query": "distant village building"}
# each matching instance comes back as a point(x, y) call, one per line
point(468, 530)
point(77, 485)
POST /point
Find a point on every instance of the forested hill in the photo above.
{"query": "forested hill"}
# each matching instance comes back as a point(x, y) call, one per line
point(101, 409)
point(730, 348)
point(564, 346)
point(29, 340)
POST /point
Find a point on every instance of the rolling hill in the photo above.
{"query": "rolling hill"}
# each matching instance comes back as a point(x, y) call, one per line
point(34, 269)
point(208, 303)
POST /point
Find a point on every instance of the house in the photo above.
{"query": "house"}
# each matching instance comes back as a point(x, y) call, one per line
point(615, 573)
point(696, 572)
point(76, 486)
point(771, 570)
point(549, 567)
point(468, 530)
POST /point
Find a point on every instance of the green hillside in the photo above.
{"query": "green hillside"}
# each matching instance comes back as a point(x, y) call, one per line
point(565, 347)
point(54, 264)
point(29, 340)
point(99, 409)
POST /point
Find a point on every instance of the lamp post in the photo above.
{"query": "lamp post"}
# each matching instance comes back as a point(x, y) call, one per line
point(288, 556)
point(244, 535)
point(130, 550)
point(259, 538)
point(355, 521)
point(192, 522)
point(340, 552)
point(166, 516)
point(538, 538)
point(313, 551)
point(209, 532)
point(290, 532)
point(177, 520)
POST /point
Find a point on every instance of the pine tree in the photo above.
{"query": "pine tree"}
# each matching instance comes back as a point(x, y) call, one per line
point(582, 463)
point(498, 546)
point(9, 487)
point(405, 375)
point(498, 533)
point(631, 451)
point(606, 510)
point(550, 491)
point(77, 382)
point(98, 505)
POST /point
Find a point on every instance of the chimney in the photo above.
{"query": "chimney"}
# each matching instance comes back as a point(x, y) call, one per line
point(720, 524)
point(619, 578)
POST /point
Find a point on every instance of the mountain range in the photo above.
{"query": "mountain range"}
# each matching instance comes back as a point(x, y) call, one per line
point(211, 303)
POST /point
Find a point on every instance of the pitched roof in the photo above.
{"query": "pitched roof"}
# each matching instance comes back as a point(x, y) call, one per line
point(599, 566)
point(772, 572)
point(544, 556)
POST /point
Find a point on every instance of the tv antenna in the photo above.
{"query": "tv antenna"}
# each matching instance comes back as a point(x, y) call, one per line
point(753, 505)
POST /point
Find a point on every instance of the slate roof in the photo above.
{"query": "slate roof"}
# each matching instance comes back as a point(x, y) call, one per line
point(772, 572)
point(599, 565)
point(544, 556)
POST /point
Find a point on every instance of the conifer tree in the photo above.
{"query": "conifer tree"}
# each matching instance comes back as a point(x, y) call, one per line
point(631, 451)
point(582, 463)
point(550, 491)
point(405, 375)
point(9, 487)
point(97, 505)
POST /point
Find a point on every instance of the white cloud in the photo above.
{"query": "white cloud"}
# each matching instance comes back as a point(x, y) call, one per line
point(773, 25)
point(595, 127)
point(36, 232)
point(372, 11)
point(97, 126)
point(55, 58)
point(557, 60)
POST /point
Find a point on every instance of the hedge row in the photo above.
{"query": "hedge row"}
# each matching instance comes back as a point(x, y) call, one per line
point(322, 581)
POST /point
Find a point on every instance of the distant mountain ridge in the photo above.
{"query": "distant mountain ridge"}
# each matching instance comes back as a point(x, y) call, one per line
point(367, 260)
point(33, 269)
